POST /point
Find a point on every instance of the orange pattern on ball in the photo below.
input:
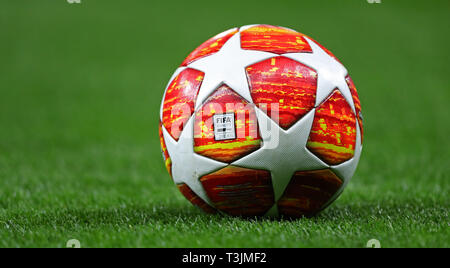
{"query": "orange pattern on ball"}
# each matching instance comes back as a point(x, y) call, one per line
point(285, 82)
point(225, 100)
point(357, 103)
point(333, 133)
point(308, 192)
point(209, 47)
point(274, 39)
point(179, 100)
point(239, 191)
point(195, 199)
point(165, 153)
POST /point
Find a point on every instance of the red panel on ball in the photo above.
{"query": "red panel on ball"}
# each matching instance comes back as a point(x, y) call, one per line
point(195, 199)
point(333, 134)
point(225, 101)
point(209, 47)
point(308, 192)
point(273, 39)
point(179, 100)
point(285, 82)
point(357, 103)
point(165, 153)
point(239, 191)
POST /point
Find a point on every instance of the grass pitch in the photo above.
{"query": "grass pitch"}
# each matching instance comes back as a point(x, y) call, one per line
point(80, 91)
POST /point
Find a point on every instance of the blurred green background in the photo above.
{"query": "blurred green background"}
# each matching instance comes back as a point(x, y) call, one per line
point(80, 89)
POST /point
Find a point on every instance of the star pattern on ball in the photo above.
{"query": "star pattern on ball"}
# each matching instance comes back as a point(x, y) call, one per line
point(227, 66)
point(187, 166)
point(330, 73)
point(283, 152)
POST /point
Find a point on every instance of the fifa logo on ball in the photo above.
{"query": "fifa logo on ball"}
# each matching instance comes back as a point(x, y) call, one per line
point(226, 116)
point(261, 120)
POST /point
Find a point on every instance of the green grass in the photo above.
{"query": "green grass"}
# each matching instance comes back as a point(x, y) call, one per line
point(79, 100)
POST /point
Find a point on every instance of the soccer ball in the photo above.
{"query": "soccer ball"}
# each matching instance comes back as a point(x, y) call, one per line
point(261, 120)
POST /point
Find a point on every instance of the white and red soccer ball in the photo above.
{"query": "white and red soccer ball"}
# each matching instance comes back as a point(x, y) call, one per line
point(261, 120)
